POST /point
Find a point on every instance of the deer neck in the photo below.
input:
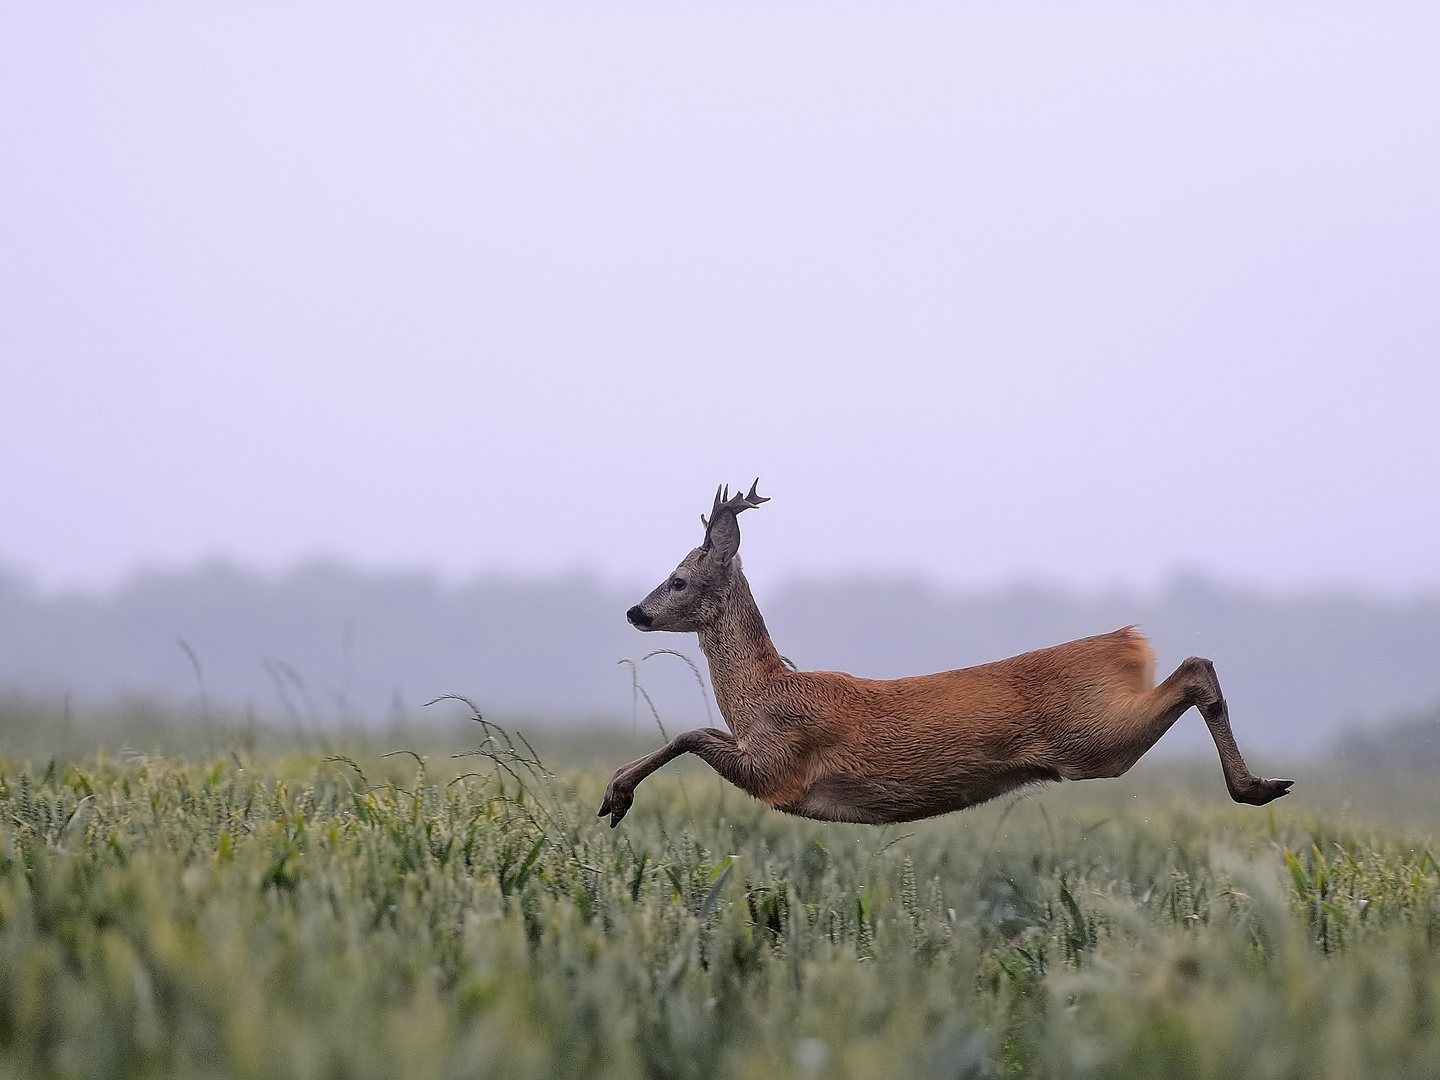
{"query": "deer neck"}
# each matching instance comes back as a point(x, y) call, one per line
point(742, 658)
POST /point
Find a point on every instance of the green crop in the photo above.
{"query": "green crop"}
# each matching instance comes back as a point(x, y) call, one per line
point(353, 917)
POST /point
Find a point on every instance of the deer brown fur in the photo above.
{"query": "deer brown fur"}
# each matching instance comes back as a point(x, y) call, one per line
point(831, 746)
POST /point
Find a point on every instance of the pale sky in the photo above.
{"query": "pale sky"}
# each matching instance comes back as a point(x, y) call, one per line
point(1087, 294)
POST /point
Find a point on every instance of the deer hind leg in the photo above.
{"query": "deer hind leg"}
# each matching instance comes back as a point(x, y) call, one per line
point(716, 748)
point(1192, 683)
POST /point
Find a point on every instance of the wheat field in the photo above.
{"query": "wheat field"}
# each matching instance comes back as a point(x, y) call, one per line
point(413, 915)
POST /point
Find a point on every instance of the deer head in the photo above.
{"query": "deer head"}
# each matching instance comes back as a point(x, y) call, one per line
point(693, 595)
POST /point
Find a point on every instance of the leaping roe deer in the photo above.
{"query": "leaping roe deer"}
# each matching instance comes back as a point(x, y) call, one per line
point(830, 746)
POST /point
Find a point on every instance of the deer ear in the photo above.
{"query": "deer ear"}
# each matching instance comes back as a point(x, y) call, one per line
point(722, 531)
point(724, 538)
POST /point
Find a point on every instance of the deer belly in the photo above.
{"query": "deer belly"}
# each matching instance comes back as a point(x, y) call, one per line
point(880, 800)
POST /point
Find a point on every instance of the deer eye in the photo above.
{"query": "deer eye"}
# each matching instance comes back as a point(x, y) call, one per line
point(677, 584)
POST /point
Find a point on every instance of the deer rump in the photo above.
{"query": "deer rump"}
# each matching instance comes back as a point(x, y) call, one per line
point(835, 747)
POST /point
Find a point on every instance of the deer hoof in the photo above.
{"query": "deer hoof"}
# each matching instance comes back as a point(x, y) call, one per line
point(616, 803)
point(1258, 792)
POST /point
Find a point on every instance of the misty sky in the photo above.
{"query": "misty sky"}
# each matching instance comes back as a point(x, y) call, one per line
point(1080, 293)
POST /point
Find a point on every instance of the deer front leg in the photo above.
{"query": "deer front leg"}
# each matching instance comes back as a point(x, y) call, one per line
point(717, 748)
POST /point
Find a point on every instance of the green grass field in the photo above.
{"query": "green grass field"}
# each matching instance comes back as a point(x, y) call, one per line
point(287, 916)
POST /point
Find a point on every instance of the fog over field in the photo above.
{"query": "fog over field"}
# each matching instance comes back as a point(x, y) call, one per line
point(984, 294)
point(326, 645)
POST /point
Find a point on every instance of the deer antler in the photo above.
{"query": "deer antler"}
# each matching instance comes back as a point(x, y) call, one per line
point(723, 501)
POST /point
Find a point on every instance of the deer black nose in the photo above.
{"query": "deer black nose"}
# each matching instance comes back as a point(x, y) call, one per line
point(638, 617)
